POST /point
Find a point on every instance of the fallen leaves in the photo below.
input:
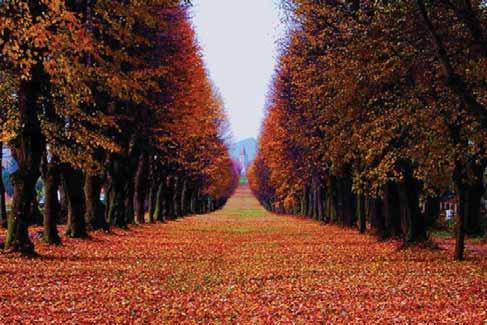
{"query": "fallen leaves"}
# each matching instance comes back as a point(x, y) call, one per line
point(240, 266)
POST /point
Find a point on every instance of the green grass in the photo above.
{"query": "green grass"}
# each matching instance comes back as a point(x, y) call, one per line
point(442, 234)
point(238, 229)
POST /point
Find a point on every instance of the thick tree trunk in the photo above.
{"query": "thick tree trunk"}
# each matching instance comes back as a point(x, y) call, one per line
point(413, 226)
point(117, 192)
point(431, 211)
point(141, 185)
point(27, 150)
point(152, 199)
point(460, 224)
point(459, 180)
point(193, 201)
point(304, 207)
point(95, 210)
point(392, 213)
point(175, 198)
point(348, 202)
point(184, 207)
point(332, 201)
point(73, 184)
point(129, 199)
point(63, 205)
point(3, 201)
point(320, 201)
point(159, 206)
point(51, 203)
point(377, 217)
point(169, 197)
point(362, 227)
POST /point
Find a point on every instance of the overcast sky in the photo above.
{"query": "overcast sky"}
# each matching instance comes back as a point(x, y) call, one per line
point(238, 38)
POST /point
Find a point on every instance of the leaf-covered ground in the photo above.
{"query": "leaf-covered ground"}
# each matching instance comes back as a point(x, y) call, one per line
point(240, 265)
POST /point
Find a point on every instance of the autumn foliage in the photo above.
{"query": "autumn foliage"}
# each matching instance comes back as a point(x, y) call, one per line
point(108, 99)
point(377, 108)
point(240, 265)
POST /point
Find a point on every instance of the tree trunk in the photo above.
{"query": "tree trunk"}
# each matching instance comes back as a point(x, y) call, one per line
point(129, 199)
point(377, 217)
point(348, 202)
point(95, 210)
point(152, 200)
point(459, 180)
point(183, 208)
point(320, 202)
point(51, 203)
point(169, 197)
point(431, 211)
point(392, 214)
point(175, 198)
point(73, 184)
point(116, 198)
point(3, 201)
point(27, 150)
point(63, 204)
point(141, 184)
point(411, 219)
point(362, 227)
point(159, 206)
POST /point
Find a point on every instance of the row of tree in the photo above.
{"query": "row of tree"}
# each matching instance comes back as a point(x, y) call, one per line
point(107, 98)
point(376, 109)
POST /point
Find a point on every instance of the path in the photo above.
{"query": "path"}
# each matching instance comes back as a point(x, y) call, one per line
point(240, 265)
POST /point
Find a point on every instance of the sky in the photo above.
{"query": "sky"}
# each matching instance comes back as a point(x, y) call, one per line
point(238, 39)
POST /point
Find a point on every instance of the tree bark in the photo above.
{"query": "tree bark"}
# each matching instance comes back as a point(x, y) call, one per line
point(175, 198)
point(377, 217)
point(459, 180)
point(95, 209)
point(348, 202)
point(159, 206)
point(411, 219)
point(141, 184)
point(3, 199)
point(51, 203)
point(431, 211)
point(117, 192)
point(27, 150)
point(155, 178)
point(73, 184)
point(392, 213)
point(361, 214)
point(183, 205)
point(72, 180)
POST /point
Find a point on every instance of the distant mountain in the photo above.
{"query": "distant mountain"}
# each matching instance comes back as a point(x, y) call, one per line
point(250, 146)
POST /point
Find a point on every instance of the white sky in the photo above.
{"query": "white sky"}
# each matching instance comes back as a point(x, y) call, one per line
point(239, 38)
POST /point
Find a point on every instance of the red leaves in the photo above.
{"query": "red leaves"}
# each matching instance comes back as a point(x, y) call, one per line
point(240, 265)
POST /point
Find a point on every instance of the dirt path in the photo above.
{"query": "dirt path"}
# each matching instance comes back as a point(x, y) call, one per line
point(240, 265)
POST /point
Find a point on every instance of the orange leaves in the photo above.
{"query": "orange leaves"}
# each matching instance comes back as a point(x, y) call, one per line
point(240, 265)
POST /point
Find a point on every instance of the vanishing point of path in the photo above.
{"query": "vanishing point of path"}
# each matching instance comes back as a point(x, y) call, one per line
point(240, 265)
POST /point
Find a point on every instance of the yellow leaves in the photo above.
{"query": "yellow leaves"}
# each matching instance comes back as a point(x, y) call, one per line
point(240, 265)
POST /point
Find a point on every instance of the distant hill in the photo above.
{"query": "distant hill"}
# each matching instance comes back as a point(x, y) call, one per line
point(250, 146)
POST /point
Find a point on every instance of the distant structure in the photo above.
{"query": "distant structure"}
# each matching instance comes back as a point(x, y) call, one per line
point(8, 163)
point(244, 161)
